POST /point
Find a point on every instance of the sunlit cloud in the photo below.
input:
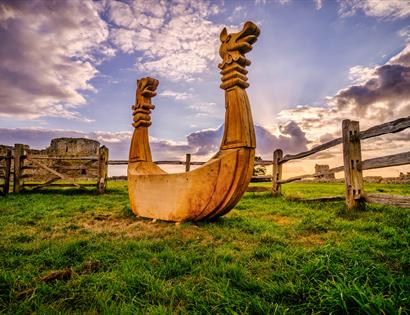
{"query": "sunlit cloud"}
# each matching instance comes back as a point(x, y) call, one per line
point(176, 95)
point(392, 9)
point(49, 59)
point(177, 40)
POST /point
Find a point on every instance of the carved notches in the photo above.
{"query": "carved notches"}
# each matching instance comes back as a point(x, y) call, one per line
point(141, 111)
point(233, 48)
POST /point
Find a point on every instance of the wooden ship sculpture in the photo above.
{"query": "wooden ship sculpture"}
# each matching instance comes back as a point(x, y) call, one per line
point(214, 188)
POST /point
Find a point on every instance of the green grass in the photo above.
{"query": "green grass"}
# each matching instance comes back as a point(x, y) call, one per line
point(315, 190)
point(267, 256)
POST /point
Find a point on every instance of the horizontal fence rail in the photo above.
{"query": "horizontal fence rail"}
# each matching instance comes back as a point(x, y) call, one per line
point(385, 161)
point(125, 162)
point(59, 158)
point(394, 200)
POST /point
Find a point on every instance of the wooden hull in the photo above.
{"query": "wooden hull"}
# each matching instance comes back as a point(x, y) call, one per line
point(204, 193)
point(214, 188)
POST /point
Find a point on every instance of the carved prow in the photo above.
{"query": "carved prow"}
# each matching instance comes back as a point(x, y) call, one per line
point(140, 149)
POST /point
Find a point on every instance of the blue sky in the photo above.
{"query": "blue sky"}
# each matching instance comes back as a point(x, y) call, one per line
point(71, 66)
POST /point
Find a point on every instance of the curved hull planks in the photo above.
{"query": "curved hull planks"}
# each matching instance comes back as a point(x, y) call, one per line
point(204, 193)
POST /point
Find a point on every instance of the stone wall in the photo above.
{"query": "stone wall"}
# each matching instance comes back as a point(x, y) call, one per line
point(321, 169)
point(73, 147)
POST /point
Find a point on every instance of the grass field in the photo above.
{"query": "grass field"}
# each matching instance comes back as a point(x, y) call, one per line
point(70, 251)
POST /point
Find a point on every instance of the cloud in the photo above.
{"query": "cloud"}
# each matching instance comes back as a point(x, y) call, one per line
point(379, 93)
point(405, 33)
point(402, 58)
point(239, 13)
point(283, 2)
point(48, 56)
point(206, 141)
point(318, 4)
point(360, 74)
point(205, 108)
point(391, 9)
point(176, 39)
point(386, 95)
point(176, 95)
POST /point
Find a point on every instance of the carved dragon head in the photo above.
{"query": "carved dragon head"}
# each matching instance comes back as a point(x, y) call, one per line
point(146, 88)
point(234, 46)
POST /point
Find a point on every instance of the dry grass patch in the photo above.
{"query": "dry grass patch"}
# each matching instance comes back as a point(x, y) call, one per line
point(144, 229)
point(310, 240)
point(283, 220)
point(315, 239)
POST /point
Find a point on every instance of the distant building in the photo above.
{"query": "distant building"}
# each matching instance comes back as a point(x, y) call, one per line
point(323, 169)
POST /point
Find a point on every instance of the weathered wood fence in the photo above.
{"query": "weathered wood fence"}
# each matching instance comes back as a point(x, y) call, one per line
point(5, 167)
point(20, 160)
point(353, 165)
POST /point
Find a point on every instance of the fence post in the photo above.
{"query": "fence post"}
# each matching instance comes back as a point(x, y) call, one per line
point(187, 162)
point(352, 156)
point(276, 172)
point(102, 169)
point(18, 184)
point(6, 187)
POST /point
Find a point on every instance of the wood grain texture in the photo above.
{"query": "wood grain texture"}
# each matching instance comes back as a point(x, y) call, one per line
point(187, 162)
point(215, 187)
point(391, 200)
point(352, 156)
point(7, 172)
point(18, 168)
point(321, 147)
point(386, 128)
point(102, 169)
point(58, 158)
point(385, 161)
point(277, 172)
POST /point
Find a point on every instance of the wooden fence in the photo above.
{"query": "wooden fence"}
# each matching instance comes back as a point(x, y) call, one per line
point(353, 165)
point(22, 160)
point(5, 167)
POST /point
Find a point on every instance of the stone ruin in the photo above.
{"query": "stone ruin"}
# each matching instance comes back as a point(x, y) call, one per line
point(319, 168)
point(62, 147)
